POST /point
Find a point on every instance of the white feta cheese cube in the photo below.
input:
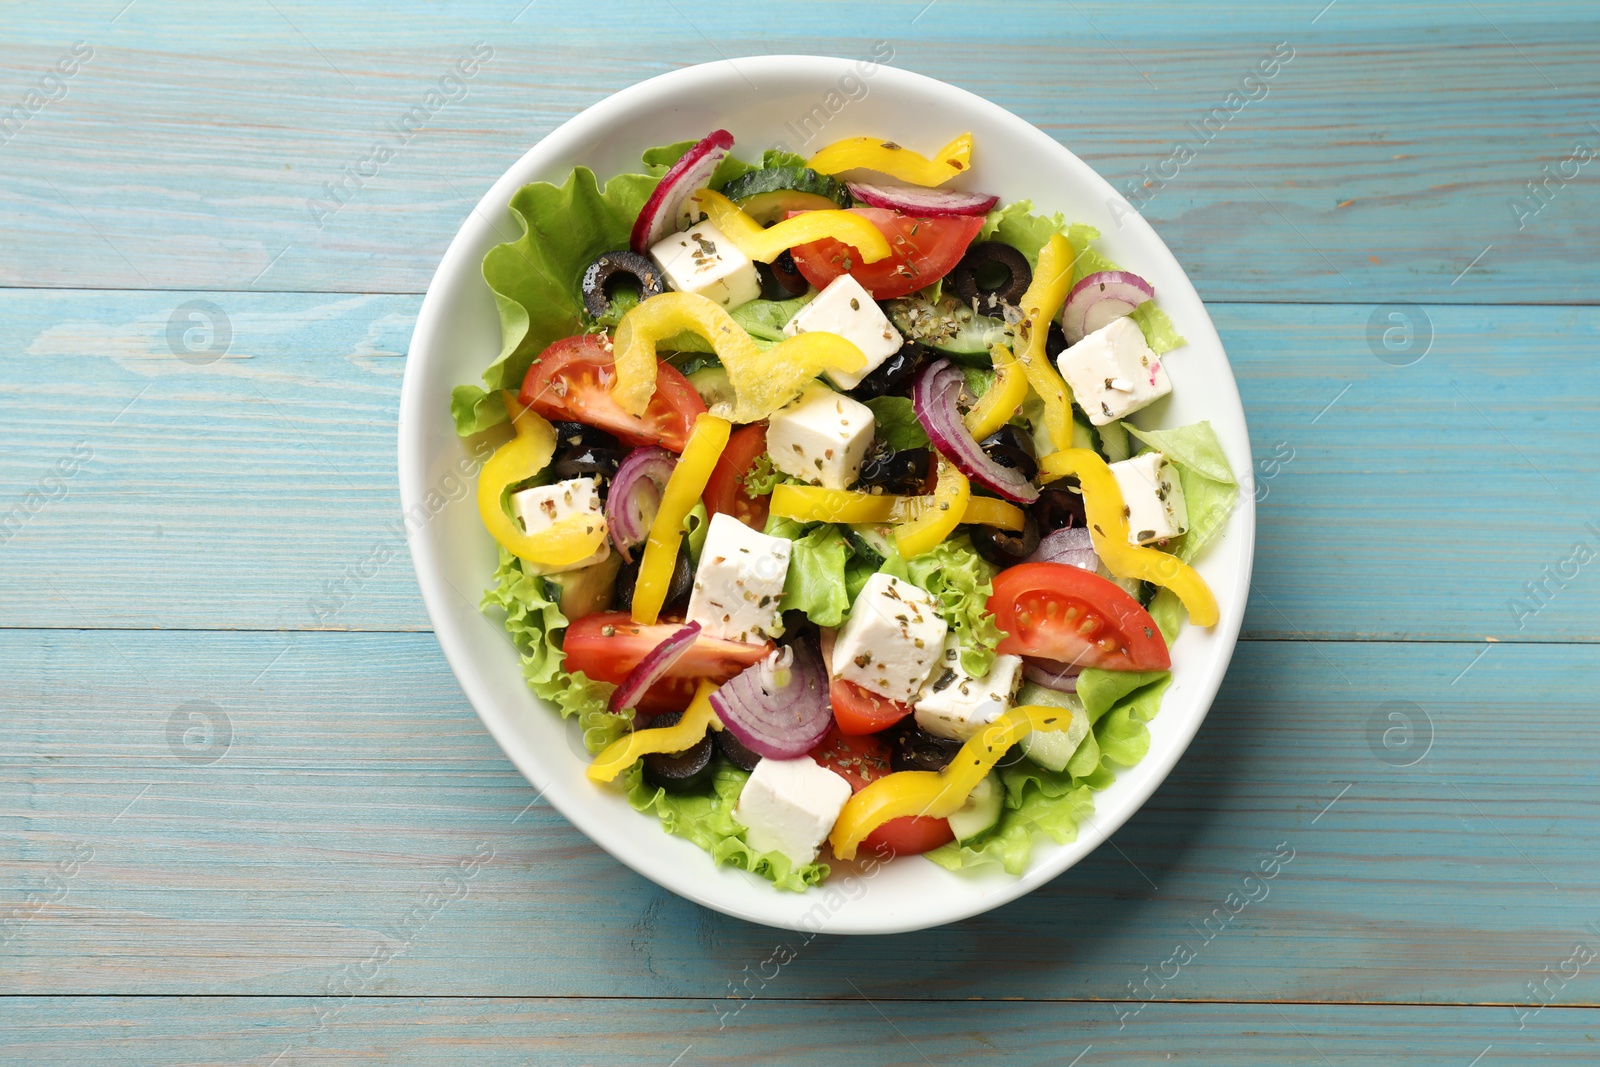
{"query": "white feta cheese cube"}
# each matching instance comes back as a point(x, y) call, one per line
point(542, 506)
point(1113, 372)
point(789, 806)
point(821, 438)
point(956, 705)
point(702, 260)
point(739, 582)
point(892, 639)
point(847, 309)
point(1152, 498)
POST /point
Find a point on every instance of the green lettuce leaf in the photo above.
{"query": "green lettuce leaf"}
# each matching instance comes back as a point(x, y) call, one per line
point(897, 422)
point(535, 624)
point(1119, 704)
point(535, 279)
point(707, 819)
point(960, 581)
point(1210, 490)
point(1168, 612)
point(1017, 226)
point(816, 583)
point(764, 320)
point(777, 157)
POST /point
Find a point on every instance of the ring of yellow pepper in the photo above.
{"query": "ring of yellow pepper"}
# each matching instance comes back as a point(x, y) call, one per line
point(886, 157)
point(682, 492)
point(995, 407)
point(762, 382)
point(766, 245)
point(1040, 303)
point(938, 794)
point(1108, 529)
point(562, 543)
point(627, 750)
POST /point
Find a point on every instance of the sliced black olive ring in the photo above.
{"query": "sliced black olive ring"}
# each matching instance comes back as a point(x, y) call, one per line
point(611, 271)
point(991, 274)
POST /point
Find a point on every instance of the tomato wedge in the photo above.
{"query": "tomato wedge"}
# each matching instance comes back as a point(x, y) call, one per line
point(725, 493)
point(859, 760)
point(1064, 613)
point(861, 711)
point(923, 251)
point(571, 380)
point(608, 645)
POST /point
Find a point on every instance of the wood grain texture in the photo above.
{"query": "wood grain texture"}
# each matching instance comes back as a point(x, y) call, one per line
point(350, 777)
point(1380, 163)
point(504, 1032)
point(237, 494)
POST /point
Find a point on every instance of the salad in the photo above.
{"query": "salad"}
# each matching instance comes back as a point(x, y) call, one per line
point(823, 506)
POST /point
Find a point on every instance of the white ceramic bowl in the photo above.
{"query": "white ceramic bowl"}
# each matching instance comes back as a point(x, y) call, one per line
point(458, 333)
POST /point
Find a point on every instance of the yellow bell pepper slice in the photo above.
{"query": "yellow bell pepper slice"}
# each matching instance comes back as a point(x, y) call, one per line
point(1042, 301)
point(886, 157)
point(938, 794)
point(684, 486)
point(762, 381)
point(562, 543)
point(624, 752)
point(1004, 397)
point(1108, 529)
point(950, 497)
point(806, 503)
point(766, 245)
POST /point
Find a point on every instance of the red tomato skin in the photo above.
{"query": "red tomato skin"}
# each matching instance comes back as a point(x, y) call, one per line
point(571, 381)
point(862, 759)
point(857, 710)
point(725, 492)
point(609, 657)
point(1067, 596)
point(921, 252)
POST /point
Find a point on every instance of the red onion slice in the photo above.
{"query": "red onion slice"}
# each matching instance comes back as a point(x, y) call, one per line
point(1073, 546)
point(635, 496)
point(778, 708)
point(1062, 677)
point(922, 203)
point(687, 176)
point(934, 399)
point(653, 667)
point(1100, 299)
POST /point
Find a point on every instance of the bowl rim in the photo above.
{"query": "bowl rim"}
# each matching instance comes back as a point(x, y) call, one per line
point(414, 408)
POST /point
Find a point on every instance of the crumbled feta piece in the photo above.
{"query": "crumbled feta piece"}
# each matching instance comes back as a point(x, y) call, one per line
point(739, 582)
point(1152, 498)
point(956, 705)
point(847, 309)
point(702, 260)
point(892, 639)
point(542, 506)
point(1113, 372)
point(821, 438)
point(789, 805)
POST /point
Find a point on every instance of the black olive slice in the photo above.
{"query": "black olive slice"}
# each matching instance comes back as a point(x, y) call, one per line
point(735, 751)
point(991, 274)
point(612, 271)
point(1006, 548)
point(679, 772)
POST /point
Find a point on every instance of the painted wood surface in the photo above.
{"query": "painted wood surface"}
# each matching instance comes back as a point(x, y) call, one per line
point(1380, 162)
point(225, 815)
point(230, 495)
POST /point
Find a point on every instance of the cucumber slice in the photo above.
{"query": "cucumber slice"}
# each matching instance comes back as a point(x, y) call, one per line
point(949, 327)
point(713, 385)
point(982, 810)
point(791, 179)
point(585, 590)
point(1115, 443)
point(872, 540)
point(1052, 749)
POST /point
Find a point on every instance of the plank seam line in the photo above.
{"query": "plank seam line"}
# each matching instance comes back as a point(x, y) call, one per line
point(516, 998)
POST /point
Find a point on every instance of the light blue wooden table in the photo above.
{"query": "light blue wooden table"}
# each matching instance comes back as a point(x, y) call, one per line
point(234, 767)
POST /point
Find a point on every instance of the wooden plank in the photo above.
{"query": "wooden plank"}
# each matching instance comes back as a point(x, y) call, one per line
point(1381, 161)
point(259, 492)
point(349, 778)
point(51, 1031)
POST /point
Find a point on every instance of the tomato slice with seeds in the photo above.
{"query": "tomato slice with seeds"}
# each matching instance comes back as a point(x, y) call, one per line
point(1065, 613)
point(607, 645)
point(859, 760)
point(571, 381)
point(725, 492)
point(921, 252)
